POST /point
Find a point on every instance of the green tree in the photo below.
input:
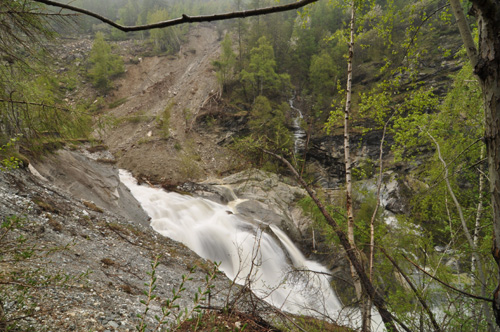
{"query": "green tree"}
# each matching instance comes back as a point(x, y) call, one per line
point(323, 76)
point(225, 64)
point(105, 64)
point(166, 39)
point(261, 77)
point(452, 208)
point(267, 122)
point(127, 15)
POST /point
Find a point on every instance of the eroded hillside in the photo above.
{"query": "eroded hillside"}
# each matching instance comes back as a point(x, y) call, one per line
point(152, 131)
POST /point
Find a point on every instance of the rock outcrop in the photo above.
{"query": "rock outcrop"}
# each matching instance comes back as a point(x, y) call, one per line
point(82, 175)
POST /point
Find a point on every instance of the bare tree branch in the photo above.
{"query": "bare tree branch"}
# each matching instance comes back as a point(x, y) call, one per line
point(184, 18)
point(13, 12)
point(415, 291)
point(448, 285)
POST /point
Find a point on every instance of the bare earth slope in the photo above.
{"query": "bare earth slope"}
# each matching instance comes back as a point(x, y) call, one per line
point(153, 132)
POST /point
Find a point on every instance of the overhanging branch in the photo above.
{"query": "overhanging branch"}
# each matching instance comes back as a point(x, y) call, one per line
point(184, 18)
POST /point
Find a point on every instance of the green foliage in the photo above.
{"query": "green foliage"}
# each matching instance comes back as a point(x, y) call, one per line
point(267, 131)
point(365, 170)
point(320, 224)
point(457, 129)
point(323, 75)
point(163, 121)
point(189, 159)
point(33, 106)
point(117, 103)
point(104, 64)
point(260, 78)
point(267, 123)
point(164, 40)
point(224, 66)
point(171, 308)
point(127, 15)
point(9, 161)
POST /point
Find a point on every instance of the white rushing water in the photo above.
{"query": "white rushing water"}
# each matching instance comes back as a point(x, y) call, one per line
point(215, 232)
point(298, 133)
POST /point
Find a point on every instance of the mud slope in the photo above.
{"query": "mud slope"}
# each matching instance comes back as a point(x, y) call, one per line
point(153, 132)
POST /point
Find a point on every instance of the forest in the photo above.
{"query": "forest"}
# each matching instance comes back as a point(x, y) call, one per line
point(388, 96)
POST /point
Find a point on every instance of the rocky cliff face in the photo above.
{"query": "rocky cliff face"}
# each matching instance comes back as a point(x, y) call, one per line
point(86, 176)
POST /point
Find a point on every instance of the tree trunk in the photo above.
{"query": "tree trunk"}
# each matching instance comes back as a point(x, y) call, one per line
point(464, 29)
point(487, 69)
point(477, 225)
point(388, 319)
point(348, 180)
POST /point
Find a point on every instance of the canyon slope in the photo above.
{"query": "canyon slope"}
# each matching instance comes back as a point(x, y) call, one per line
point(155, 130)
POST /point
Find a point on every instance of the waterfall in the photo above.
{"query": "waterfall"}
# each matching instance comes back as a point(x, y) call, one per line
point(298, 133)
point(217, 233)
point(262, 253)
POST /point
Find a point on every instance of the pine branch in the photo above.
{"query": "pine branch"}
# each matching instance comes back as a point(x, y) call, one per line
point(32, 104)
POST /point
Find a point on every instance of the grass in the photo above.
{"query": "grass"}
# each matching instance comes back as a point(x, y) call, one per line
point(163, 120)
point(92, 206)
point(117, 103)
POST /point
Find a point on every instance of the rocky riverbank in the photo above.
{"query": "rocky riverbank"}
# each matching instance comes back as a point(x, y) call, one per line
point(88, 266)
point(92, 245)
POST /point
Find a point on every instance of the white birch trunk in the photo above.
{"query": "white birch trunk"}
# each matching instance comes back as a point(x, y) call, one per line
point(348, 176)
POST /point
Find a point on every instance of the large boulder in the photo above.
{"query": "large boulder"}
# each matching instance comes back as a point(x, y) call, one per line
point(263, 197)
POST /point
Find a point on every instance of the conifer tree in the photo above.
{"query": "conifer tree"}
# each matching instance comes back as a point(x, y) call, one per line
point(105, 65)
point(225, 64)
point(261, 77)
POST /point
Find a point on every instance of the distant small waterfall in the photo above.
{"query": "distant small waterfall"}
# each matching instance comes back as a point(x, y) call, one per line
point(216, 232)
point(298, 133)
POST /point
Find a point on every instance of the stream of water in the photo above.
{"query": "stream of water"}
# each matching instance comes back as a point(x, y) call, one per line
point(217, 233)
point(299, 134)
point(258, 252)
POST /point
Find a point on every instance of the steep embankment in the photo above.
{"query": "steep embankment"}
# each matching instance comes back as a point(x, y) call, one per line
point(105, 257)
point(161, 96)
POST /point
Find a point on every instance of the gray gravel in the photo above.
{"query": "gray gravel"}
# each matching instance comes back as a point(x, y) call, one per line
point(113, 253)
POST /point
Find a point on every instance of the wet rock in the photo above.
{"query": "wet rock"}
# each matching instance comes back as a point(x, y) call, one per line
point(262, 196)
point(95, 182)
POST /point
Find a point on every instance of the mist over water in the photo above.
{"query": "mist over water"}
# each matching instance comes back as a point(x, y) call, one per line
point(254, 251)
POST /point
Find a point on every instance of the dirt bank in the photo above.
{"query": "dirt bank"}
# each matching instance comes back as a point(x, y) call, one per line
point(153, 131)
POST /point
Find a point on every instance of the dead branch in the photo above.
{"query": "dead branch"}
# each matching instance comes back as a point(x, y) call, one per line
point(184, 18)
point(476, 297)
